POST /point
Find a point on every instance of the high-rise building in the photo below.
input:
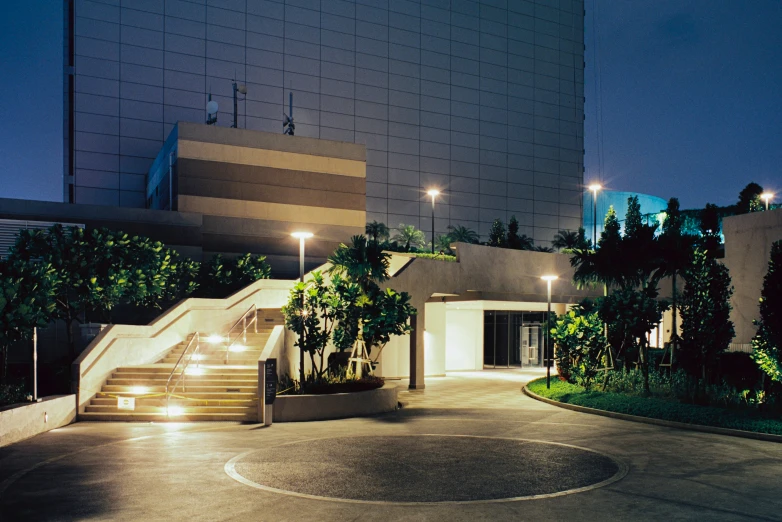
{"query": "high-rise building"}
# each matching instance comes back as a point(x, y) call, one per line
point(482, 100)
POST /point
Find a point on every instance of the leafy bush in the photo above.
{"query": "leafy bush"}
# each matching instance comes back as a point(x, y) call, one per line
point(221, 277)
point(438, 257)
point(767, 344)
point(580, 344)
point(12, 394)
point(658, 408)
point(336, 382)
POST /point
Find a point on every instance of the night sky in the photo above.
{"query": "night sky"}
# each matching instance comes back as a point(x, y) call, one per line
point(690, 103)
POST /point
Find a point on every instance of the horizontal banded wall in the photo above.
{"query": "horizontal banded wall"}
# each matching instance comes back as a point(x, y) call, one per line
point(255, 188)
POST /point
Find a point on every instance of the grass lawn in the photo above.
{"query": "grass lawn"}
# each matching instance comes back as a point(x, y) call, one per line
point(657, 408)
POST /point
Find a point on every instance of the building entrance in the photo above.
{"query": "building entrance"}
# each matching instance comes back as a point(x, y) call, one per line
point(513, 339)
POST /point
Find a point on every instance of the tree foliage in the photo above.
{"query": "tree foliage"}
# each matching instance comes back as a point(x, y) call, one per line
point(767, 343)
point(566, 241)
point(749, 199)
point(515, 240)
point(220, 276)
point(633, 216)
point(409, 237)
point(705, 311)
point(497, 234)
point(580, 344)
point(462, 234)
point(363, 261)
point(25, 302)
point(377, 231)
point(710, 229)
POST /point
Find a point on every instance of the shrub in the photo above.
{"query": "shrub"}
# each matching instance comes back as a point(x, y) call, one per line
point(578, 335)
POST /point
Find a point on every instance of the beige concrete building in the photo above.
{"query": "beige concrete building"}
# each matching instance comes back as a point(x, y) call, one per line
point(748, 240)
point(255, 188)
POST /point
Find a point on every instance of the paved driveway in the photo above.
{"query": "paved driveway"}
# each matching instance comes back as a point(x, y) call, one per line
point(457, 451)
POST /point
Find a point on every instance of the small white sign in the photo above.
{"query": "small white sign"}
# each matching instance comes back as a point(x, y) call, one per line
point(126, 403)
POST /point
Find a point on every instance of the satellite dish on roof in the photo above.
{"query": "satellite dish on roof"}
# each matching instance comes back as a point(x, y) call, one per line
point(211, 107)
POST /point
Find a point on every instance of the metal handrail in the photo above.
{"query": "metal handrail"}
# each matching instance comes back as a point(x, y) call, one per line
point(169, 389)
point(243, 334)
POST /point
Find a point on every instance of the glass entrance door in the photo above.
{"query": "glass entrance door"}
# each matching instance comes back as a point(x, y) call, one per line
point(513, 339)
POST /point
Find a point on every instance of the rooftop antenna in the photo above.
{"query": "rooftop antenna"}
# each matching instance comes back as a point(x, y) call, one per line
point(211, 111)
point(237, 88)
point(288, 126)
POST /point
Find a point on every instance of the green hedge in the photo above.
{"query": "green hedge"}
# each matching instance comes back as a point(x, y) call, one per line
point(438, 257)
point(657, 408)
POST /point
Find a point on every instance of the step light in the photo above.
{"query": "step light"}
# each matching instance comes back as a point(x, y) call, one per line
point(139, 390)
point(214, 339)
point(197, 357)
point(194, 371)
point(237, 348)
point(174, 411)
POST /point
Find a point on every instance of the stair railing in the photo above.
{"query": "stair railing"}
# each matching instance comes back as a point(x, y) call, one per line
point(250, 318)
point(184, 362)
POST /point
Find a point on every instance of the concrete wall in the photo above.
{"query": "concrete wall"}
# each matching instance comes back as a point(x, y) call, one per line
point(464, 339)
point(748, 240)
point(21, 422)
point(434, 338)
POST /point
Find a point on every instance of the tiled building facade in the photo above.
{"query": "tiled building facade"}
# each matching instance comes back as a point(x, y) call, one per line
point(481, 100)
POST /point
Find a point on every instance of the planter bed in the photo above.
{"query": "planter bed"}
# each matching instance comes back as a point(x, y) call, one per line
point(295, 408)
point(688, 415)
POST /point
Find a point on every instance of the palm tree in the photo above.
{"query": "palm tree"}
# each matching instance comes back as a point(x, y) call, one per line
point(363, 261)
point(462, 234)
point(409, 236)
point(377, 231)
point(566, 241)
point(542, 249)
point(443, 243)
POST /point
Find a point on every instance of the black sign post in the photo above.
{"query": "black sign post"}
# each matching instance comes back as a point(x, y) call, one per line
point(270, 384)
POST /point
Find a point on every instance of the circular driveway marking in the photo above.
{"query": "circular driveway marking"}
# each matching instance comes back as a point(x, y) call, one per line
point(425, 469)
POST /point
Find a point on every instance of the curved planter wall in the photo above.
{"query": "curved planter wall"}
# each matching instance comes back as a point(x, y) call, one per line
point(295, 408)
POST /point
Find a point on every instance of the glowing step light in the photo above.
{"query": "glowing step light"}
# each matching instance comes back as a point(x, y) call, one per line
point(139, 390)
point(174, 411)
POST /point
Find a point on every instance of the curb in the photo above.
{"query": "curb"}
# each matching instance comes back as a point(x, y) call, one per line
point(768, 437)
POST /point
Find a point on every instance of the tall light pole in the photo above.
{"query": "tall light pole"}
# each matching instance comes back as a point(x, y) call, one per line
point(434, 193)
point(301, 236)
point(767, 196)
point(548, 279)
point(594, 187)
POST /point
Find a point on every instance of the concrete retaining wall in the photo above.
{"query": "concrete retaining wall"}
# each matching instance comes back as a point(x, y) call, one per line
point(22, 422)
point(128, 345)
point(295, 408)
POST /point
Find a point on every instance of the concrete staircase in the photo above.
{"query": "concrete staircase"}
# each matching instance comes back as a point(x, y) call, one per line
point(214, 389)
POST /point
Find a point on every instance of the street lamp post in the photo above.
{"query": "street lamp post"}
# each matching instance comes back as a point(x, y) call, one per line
point(301, 236)
point(766, 196)
point(594, 187)
point(434, 193)
point(548, 279)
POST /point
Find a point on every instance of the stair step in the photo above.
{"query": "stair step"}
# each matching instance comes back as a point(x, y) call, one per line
point(190, 388)
point(243, 409)
point(231, 383)
point(227, 399)
point(163, 377)
point(158, 417)
point(166, 368)
point(191, 394)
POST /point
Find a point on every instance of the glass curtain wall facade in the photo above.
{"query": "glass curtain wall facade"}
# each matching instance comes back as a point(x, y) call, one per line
point(482, 100)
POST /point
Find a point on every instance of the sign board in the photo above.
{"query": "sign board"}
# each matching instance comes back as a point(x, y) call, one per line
point(126, 403)
point(270, 381)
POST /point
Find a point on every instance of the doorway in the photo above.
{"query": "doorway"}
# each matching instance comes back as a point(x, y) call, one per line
point(513, 339)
